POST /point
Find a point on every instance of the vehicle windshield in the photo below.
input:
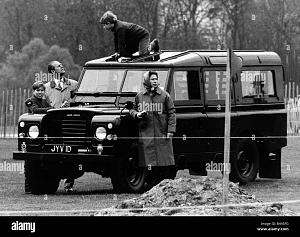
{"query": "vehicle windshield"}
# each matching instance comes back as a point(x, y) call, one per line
point(111, 80)
point(95, 80)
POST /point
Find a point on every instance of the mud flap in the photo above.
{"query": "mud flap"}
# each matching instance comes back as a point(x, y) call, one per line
point(270, 165)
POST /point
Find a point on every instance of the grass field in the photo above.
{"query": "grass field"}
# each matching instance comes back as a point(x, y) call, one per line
point(94, 192)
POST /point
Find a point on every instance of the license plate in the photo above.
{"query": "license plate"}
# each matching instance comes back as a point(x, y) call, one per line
point(61, 149)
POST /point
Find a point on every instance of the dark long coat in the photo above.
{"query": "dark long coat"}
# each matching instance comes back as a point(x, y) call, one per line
point(155, 148)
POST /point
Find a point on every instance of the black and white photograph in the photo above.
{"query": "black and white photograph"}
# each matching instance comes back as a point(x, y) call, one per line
point(124, 110)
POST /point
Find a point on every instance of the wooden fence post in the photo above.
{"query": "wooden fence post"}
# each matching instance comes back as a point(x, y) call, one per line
point(11, 110)
point(5, 113)
point(285, 94)
point(28, 94)
point(23, 101)
point(15, 111)
point(2, 115)
point(20, 102)
point(293, 90)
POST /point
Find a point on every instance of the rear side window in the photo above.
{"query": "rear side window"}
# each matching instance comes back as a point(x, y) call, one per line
point(186, 85)
point(215, 85)
point(257, 84)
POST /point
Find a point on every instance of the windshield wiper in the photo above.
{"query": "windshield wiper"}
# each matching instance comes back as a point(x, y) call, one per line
point(105, 94)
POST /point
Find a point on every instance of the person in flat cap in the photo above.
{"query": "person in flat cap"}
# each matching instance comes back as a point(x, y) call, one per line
point(155, 112)
point(129, 38)
point(37, 104)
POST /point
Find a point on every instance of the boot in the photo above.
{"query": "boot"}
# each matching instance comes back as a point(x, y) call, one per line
point(69, 183)
point(154, 46)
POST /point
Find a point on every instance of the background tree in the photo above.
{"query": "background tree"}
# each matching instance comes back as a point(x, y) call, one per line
point(22, 68)
point(178, 24)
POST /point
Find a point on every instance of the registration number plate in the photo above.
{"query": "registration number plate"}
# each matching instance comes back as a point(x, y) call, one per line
point(61, 149)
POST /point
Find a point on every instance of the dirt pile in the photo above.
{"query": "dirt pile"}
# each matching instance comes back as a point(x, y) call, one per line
point(193, 197)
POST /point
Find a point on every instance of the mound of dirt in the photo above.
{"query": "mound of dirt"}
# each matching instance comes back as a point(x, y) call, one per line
point(194, 197)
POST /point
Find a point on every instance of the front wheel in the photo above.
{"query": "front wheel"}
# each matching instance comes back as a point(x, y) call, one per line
point(157, 174)
point(244, 162)
point(127, 176)
point(39, 181)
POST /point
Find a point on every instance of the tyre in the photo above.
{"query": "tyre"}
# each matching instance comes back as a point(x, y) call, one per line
point(126, 175)
point(39, 181)
point(244, 162)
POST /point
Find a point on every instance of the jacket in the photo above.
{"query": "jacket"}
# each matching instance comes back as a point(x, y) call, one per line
point(155, 148)
point(57, 96)
point(127, 37)
point(37, 106)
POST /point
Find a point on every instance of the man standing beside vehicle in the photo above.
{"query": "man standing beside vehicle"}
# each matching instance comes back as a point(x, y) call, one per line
point(155, 112)
point(58, 90)
point(58, 93)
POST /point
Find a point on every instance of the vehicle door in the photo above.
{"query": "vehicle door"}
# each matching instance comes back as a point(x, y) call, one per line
point(214, 79)
point(187, 93)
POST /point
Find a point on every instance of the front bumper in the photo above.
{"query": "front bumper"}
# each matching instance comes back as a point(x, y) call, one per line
point(63, 157)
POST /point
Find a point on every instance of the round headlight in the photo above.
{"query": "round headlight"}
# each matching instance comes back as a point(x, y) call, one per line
point(33, 131)
point(22, 124)
point(100, 133)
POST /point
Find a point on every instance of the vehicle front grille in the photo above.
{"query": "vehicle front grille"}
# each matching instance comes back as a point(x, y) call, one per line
point(74, 130)
point(62, 128)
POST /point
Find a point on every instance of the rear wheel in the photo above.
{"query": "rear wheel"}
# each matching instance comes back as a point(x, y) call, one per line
point(244, 162)
point(127, 176)
point(39, 181)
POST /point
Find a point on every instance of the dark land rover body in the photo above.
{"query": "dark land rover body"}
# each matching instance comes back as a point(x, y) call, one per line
point(96, 134)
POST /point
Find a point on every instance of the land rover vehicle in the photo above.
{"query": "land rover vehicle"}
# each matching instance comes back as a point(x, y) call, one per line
point(96, 134)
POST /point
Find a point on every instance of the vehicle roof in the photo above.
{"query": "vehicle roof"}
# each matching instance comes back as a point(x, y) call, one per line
point(172, 58)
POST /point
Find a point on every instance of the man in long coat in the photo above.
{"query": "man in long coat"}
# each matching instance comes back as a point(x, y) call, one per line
point(58, 90)
point(155, 112)
point(58, 93)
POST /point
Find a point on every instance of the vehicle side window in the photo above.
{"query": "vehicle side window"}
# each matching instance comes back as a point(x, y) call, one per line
point(134, 80)
point(215, 85)
point(257, 84)
point(186, 85)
